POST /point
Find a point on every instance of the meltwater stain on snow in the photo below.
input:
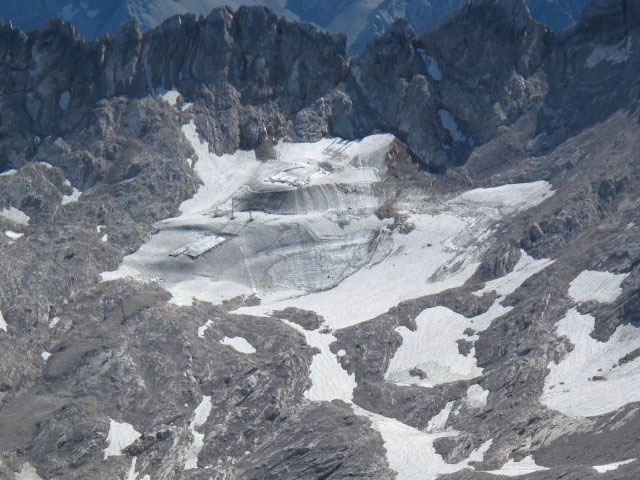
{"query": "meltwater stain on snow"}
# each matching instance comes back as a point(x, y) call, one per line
point(239, 344)
point(593, 379)
point(433, 348)
point(515, 469)
point(612, 466)
point(603, 287)
point(200, 416)
point(121, 435)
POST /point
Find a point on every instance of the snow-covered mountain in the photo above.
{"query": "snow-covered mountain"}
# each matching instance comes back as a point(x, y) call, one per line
point(361, 20)
point(229, 250)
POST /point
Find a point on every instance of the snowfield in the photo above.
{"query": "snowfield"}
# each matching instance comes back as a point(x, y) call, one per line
point(594, 378)
point(433, 348)
point(603, 287)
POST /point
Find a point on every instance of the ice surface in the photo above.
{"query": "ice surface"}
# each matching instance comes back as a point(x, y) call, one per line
point(121, 435)
point(515, 469)
point(603, 287)
point(75, 195)
point(432, 65)
point(433, 348)
point(238, 343)
point(12, 234)
point(612, 466)
point(200, 416)
point(590, 380)
point(14, 215)
point(3, 324)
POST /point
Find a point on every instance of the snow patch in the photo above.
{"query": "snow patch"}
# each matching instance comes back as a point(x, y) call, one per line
point(12, 234)
point(53, 322)
point(449, 123)
point(476, 397)
point(3, 324)
point(27, 472)
point(75, 195)
point(411, 452)
point(603, 287)
point(7, 173)
point(329, 381)
point(64, 99)
point(612, 466)
point(238, 343)
point(590, 380)
point(121, 435)
point(515, 469)
point(45, 356)
point(614, 54)
point(429, 356)
point(439, 421)
point(200, 416)
point(104, 238)
point(169, 96)
point(14, 215)
point(202, 329)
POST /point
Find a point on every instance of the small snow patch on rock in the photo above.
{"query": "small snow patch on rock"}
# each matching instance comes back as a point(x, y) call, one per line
point(14, 215)
point(515, 469)
point(612, 466)
point(239, 344)
point(75, 195)
point(64, 99)
point(121, 435)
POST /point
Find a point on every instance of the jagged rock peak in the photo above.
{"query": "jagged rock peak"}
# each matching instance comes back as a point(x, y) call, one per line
point(611, 12)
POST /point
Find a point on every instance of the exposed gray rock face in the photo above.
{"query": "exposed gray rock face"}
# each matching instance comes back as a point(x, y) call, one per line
point(373, 307)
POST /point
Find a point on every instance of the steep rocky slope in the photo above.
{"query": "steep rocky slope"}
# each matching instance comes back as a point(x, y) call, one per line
point(230, 250)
